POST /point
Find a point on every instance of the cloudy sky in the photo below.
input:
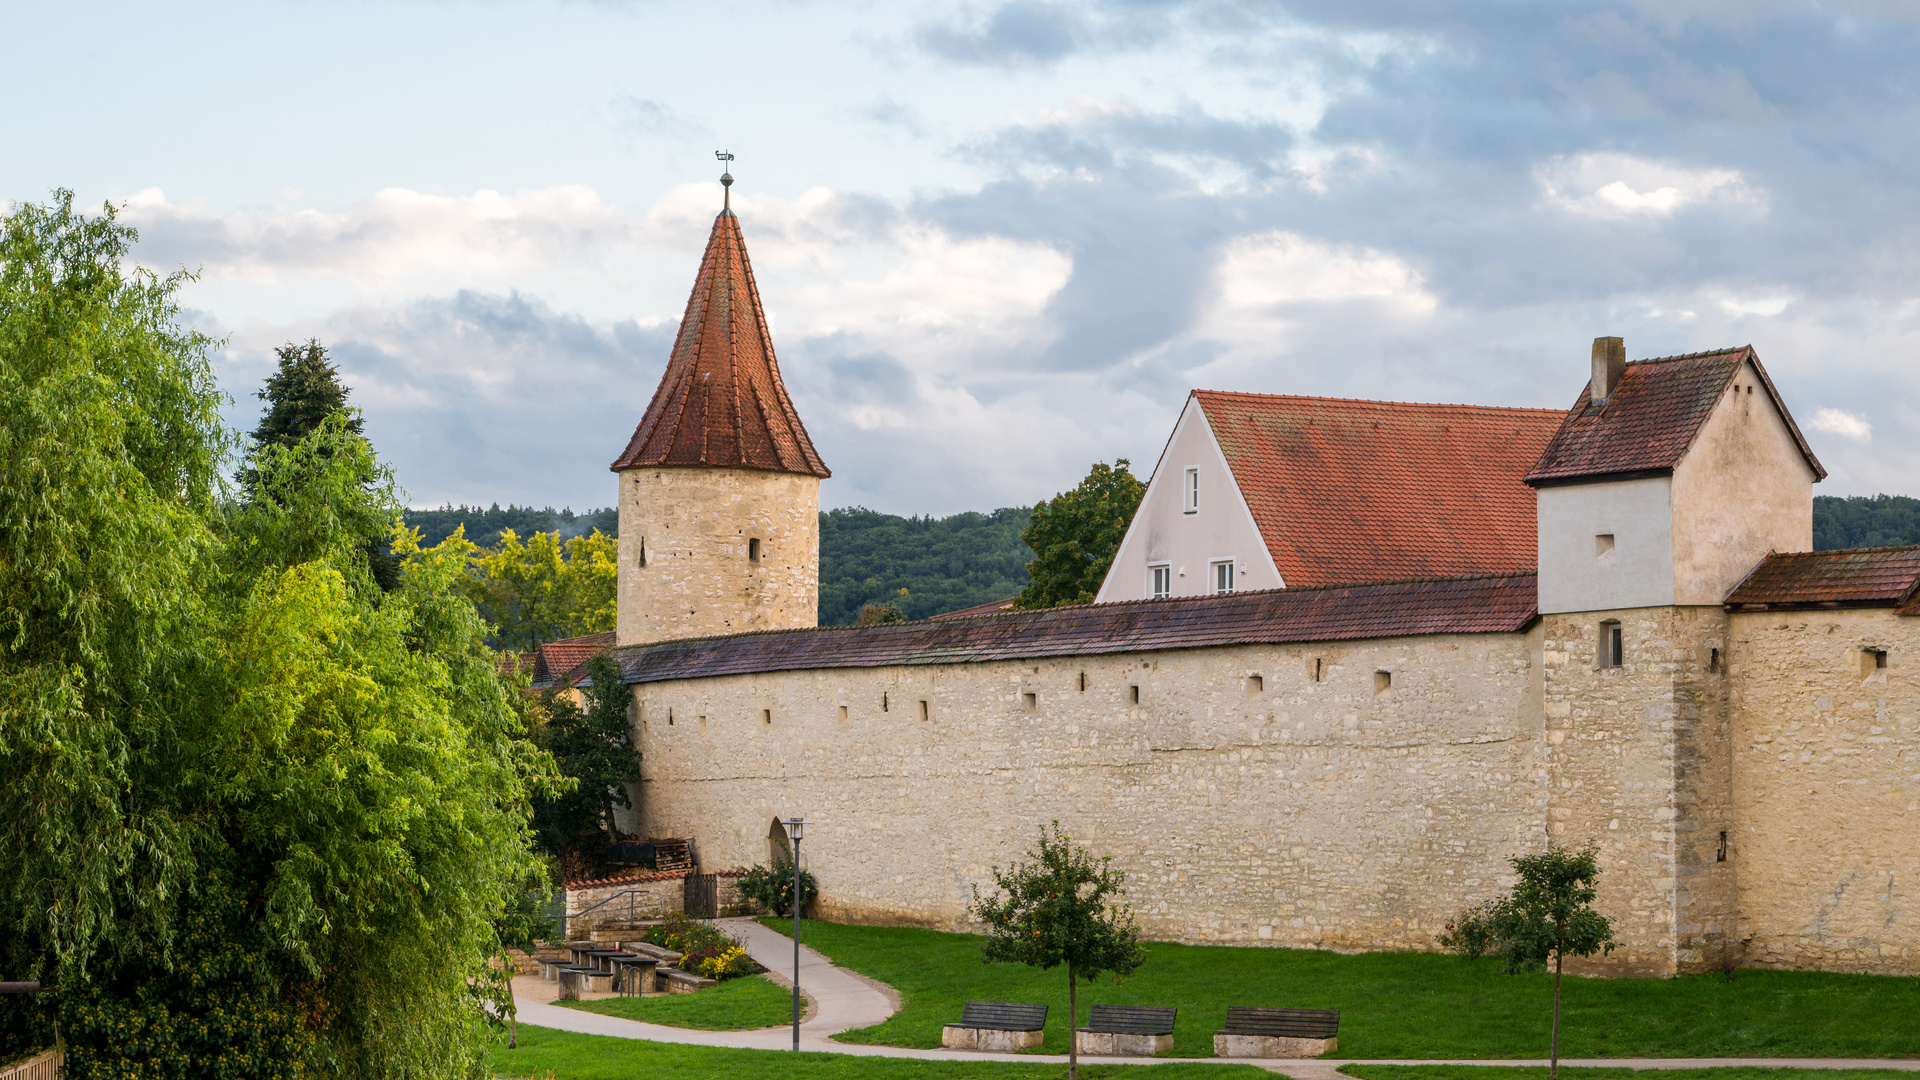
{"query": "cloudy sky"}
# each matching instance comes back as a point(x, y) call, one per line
point(999, 241)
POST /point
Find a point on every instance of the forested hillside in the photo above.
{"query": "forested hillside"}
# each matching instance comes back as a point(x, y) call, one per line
point(1863, 521)
point(484, 524)
point(945, 564)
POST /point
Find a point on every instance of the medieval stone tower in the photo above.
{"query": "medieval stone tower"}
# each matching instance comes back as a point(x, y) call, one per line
point(720, 486)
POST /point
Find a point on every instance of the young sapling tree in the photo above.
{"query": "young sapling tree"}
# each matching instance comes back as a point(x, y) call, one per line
point(1059, 909)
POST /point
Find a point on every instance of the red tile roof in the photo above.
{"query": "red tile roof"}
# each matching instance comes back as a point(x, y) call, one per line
point(721, 401)
point(557, 660)
point(1346, 491)
point(1862, 577)
point(635, 877)
point(1645, 427)
point(1472, 605)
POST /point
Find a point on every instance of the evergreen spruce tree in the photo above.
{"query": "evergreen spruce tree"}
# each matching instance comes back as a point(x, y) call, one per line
point(301, 393)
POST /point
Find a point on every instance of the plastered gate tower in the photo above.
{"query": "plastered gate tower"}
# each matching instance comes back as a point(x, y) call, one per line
point(1667, 483)
point(720, 485)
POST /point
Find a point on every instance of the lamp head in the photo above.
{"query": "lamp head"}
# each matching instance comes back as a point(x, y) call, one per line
point(796, 828)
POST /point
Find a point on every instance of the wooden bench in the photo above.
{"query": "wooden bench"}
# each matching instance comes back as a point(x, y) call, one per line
point(1132, 1030)
point(996, 1025)
point(1268, 1033)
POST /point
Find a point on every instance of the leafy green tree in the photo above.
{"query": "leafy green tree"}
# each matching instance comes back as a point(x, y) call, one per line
point(1075, 534)
point(541, 589)
point(1057, 909)
point(592, 746)
point(211, 707)
point(1548, 915)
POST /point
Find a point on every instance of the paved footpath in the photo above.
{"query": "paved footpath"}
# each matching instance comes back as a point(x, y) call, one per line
point(842, 1001)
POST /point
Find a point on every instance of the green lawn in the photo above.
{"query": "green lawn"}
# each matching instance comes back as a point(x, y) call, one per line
point(1401, 1005)
point(563, 1055)
point(747, 1002)
point(1496, 1072)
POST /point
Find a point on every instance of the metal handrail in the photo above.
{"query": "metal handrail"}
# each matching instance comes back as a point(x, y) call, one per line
point(566, 919)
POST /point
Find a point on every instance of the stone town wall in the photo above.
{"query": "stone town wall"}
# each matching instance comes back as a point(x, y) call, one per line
point(1826, 781)
point(1358, 810)
point(706, 551)
point(645, 897)
point(1637, 757)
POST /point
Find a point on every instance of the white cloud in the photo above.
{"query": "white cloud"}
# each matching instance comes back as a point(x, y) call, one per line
point(1844, 424)
point(1278, 267)
point(1621, 185)
point(1764, 306)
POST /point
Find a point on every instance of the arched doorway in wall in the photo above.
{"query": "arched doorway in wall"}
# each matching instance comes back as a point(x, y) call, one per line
point(779, 847)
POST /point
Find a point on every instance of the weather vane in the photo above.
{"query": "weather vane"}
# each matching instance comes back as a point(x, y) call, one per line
point(726, 178)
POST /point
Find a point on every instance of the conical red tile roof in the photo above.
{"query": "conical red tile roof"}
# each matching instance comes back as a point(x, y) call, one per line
point(721, 402)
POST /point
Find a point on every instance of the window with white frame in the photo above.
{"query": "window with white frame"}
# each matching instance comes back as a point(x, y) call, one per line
point(1223, 576)
point(1193, 491)
point(1160, 581)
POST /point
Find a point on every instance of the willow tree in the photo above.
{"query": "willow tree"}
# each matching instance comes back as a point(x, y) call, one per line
point(209, 708)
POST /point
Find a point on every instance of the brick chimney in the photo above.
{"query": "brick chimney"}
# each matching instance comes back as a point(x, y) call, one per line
point(1609, 364)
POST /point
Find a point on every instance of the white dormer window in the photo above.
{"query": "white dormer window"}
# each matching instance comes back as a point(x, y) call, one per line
point(1223, 576)
point(1193, 491)
point(1160, 581)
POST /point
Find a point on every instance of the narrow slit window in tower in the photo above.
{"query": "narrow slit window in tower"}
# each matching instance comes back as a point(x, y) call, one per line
point(1612, 647)
point(1134, 692)
point(753, 549)
point(642, 560)
point(1083, 682)
point(925, 713)
point(766, 715)
point(1721, 855)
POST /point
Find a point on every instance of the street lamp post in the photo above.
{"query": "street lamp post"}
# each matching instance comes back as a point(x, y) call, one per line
point(796, 827)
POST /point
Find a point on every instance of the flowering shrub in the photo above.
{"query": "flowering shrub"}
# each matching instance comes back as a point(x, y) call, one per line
point(708, 951)
point(772, 888)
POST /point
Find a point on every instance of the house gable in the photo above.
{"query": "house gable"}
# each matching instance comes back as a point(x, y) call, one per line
point(1190, 544)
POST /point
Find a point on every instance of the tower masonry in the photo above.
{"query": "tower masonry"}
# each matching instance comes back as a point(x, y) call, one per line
point(720, 485)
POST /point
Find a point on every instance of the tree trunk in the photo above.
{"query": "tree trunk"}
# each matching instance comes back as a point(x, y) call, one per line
point(1553, 1068)
point(1073, 1026)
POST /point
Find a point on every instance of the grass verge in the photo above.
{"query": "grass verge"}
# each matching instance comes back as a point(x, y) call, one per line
point(1399, 1005)
point(1511, 1072)
point(735, 1005)
point(564, 1055)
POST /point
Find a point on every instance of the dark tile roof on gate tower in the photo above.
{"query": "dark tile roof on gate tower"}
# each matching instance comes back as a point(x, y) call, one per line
point(1468, 605)
point(1861, 577)
point(721, 401)
point(1344, 490)
point(1646, 425)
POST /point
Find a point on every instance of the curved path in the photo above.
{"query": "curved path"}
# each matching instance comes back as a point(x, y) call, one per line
point(842, 1001)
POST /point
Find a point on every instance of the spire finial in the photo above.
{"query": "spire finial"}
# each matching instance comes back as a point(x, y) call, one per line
point(726, 179)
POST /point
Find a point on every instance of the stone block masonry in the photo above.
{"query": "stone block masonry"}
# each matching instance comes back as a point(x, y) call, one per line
point(707, 551)
point(1825, 754)
point(1361, 809)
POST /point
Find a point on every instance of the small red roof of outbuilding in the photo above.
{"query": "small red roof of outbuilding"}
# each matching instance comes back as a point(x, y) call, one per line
point(557, 660)
point(1861, 577)
point(1344, 490)
point(721, 402)
point(1651, 419)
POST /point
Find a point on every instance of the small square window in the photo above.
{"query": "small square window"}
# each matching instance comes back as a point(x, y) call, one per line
point(1160, 582)
point(1030, 702)
point(1382, 683)
point(1603, 546)
point(1223, 576)
point(1872, 662)
point(1192, 498)
point(1255, 684)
